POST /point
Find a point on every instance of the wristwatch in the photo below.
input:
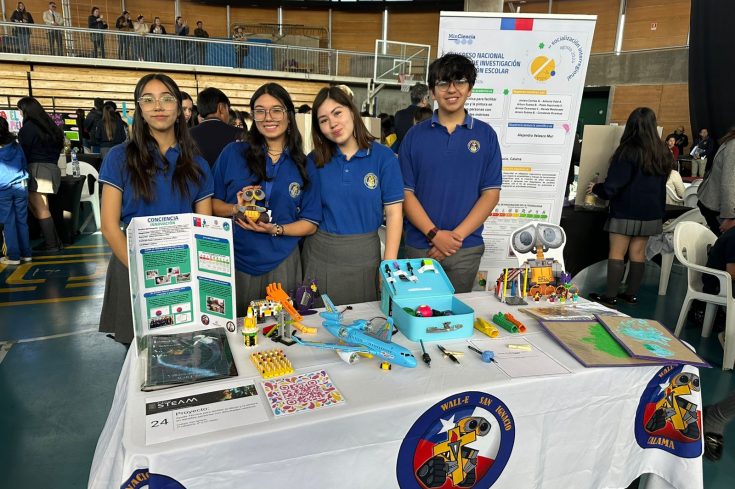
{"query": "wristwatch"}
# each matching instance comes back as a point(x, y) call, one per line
point(432, 232)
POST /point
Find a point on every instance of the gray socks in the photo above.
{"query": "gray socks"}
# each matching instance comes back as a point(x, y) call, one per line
point(615, 271)
point(49, 233)
point(635, 277)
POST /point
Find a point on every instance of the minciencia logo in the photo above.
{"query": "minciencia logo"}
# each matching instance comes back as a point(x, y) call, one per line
point(461, 36)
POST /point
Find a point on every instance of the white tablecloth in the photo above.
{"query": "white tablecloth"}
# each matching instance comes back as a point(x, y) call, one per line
point(569, 431)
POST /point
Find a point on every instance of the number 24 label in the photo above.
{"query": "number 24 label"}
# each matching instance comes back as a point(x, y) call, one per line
point(156, 423)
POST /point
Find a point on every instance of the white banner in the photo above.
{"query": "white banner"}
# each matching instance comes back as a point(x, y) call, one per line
point(531, 70)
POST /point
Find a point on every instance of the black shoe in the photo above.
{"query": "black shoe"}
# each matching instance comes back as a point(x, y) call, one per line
point(603, 299)
point(629, 298)
point(713, 444)
point(45, 248)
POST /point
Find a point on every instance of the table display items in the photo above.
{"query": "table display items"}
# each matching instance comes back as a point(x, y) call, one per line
point(420, 298)
point(301, 393)
point(271, 363)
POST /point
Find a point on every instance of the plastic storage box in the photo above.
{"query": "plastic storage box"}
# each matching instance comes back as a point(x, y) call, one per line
point(426, 285)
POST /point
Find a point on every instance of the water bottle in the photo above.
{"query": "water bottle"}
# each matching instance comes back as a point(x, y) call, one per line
point(591, 199)
point(75, 172)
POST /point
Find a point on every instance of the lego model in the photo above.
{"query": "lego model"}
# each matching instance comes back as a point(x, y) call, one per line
point(303, 297)
point(265, 308)
point(271, 363)
point(250, 329)
point(361, 337)
point(251, 209)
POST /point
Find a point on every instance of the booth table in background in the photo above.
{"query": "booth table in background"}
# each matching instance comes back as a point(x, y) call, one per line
point(575, 429)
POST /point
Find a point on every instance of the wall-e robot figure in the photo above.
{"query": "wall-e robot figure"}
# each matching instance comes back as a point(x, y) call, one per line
point(673, 408)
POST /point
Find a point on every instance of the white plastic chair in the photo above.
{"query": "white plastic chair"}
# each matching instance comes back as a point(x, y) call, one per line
point(667, 259)
point(691, 245)
point(690, 195)
point(672, 198)
point(92, 197)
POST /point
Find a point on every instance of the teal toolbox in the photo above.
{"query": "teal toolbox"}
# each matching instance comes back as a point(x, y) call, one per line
point(424, 286)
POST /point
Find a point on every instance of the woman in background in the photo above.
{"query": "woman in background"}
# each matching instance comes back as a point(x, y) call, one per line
point(110, 131)
point(95, 21)
point(716, 194)
point(361, 182)
point(187, 106)
point(42, 141)
point(636, 189)
point(157, 172)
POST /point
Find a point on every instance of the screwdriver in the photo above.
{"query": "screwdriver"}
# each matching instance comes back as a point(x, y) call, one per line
point(487, 355)
point(425, 356)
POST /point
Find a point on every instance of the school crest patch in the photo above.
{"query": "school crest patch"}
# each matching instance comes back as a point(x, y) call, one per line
point(294, 190)
point(371, 181)
point(473, 146)
point(144, 478)
point(669, 414)
point(463, 441)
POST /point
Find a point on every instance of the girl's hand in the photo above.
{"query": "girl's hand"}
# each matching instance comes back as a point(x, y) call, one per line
point(589, 187)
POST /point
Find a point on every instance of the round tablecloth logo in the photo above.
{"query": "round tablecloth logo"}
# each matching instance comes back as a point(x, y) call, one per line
point(144, 478)
point(463, 441)
point(669, 415)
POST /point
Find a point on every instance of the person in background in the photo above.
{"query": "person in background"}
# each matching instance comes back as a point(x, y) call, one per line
point(270, 163)
point(420, 97)
point(156, 44)
point(201, 46)
point(110, 130)
point(95, 21)
point(13, 198)
point(421, 114)
point(91, 121)
point(140, 46)
point(157, 172)
point(54, 19)
point(22, 34)
point(42, 141)
point(361, 182)
point(702, 151)
point(247, 119)
point(388, 131)
point(636, 189)
point(241, 50)
point(182, 29)
point(124, 24)
point(234, 119)
point(304, 109)
point(214, 132)
point(187, 106)
point(682, 140)
point(716, 194)
point(445, 208)
point(674, 188)
point(671, 144)
point(715, 419)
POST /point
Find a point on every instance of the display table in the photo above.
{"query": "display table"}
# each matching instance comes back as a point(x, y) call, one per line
point(576, 429)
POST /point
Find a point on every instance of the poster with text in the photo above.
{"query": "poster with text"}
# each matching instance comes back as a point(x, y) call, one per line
point(182, 274)
point(530, 78)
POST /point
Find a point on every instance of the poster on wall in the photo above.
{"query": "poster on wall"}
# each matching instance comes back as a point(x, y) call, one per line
point(182, 273)
point(530, 78)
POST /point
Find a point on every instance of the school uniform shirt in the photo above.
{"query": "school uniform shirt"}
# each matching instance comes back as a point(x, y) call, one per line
point(286, 197)
point(355, 191)
point(12, 166)
point(448, 172)
point(36, 148)
point(167, 198)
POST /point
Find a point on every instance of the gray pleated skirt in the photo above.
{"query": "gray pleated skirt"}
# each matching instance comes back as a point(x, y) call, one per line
point(252, 287)
point(633, 227)
point(117, 312)
point(344, 265)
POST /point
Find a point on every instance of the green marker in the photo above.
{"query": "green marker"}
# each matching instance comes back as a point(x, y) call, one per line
point(503, 322)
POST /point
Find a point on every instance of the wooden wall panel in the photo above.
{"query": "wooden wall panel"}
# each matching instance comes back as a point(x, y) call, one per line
point(670, 102)
point(213, 17)
point(241, 15)
point(670, 16)
point(240, 89)
point(419, 27)
point(150, 9)
point(356, 31)
point(308, 17)
point(607, 12)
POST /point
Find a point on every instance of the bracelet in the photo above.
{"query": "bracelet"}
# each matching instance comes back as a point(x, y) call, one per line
point(432, 233)
point(277, 231)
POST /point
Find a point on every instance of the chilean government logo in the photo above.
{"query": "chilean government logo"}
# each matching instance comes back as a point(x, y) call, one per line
point(463, 441)
point(669, 415)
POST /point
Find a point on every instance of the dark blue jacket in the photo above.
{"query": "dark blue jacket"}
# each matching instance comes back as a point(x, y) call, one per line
point(36, 149)
point(633, 194)
point(12, 166)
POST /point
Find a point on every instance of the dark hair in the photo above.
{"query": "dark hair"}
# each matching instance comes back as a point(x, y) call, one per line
point(192, 120)
point(254, 155)
point(387, 126)
point(324, 149)
point(93, 9)
point(233, 116)
point(421, 114)
point(6, 137)
point(109, 119)
point(642, 145)
point(208, 100)
point(304, 109)
point(98, 103)
point(141, 164)
point(450, 67)
point(33, 112)
point(418, 93)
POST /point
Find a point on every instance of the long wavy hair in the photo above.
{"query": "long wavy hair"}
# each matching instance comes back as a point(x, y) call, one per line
point(109, 120)
point(32, 111)
point(641, 144)
point(141, 163)
point(324, 149)
point(255, 156)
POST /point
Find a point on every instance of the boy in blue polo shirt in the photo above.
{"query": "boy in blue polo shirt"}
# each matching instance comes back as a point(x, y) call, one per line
point(451, 168)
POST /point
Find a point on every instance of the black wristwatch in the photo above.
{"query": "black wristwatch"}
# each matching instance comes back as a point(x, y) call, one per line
point(432, 233)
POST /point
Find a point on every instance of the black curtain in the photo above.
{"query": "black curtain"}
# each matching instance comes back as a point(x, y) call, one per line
point(711, 67)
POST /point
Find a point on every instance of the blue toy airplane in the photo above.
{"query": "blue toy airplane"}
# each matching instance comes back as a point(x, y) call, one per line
point(359, 337)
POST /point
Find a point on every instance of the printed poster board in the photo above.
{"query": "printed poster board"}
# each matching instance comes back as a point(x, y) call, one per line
point(531, 72)
point(182, 273)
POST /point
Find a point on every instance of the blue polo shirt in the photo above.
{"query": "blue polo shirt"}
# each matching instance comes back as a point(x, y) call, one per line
point(167, 199)
point(355, 191)
point(448, 172)
point(286, 197)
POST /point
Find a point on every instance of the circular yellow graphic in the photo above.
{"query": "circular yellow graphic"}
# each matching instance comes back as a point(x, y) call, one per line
point(473, 146)
point(371, 181)
point(294, 189)
point(543, 68)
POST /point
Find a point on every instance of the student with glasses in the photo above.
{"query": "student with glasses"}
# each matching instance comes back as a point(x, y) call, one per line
point(451, 168)
point(156, 172)
point(268, 170)
point(361, 182)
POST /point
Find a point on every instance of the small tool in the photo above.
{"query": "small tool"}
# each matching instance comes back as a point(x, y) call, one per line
point(450, 355)
point(413, 276)
point(389, 274)
point(425, 356)
point(401, 274)
point(487, 355)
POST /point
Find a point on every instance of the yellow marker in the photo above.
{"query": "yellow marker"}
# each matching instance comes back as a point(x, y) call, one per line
point(505, 284)
point(485, 327)
point(525, 283)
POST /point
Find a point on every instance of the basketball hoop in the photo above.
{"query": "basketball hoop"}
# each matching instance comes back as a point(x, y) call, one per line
point(406, 80)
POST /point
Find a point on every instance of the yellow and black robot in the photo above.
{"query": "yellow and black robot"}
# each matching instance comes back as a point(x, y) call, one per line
point(673, 408)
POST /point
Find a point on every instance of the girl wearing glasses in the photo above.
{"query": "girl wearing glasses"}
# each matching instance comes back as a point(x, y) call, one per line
point(269, 171)
point(156, 172)
point(361, 181)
